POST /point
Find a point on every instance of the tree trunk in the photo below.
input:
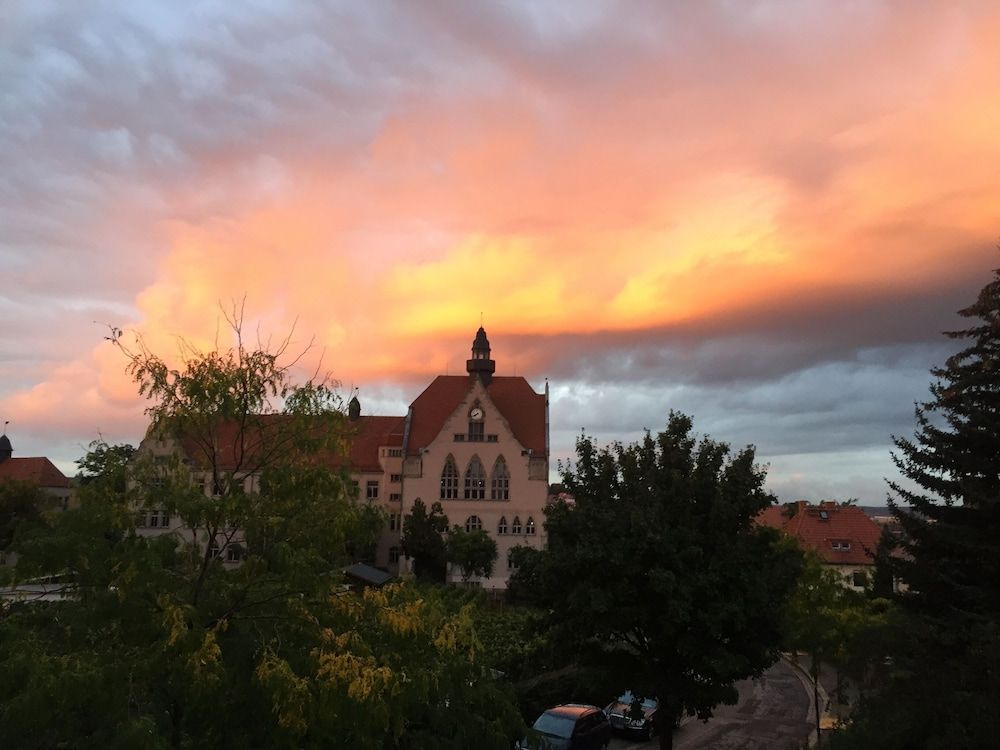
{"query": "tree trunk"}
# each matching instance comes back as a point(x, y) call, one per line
point(815, 677)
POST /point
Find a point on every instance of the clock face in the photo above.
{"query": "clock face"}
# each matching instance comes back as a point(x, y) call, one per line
point(476, 413)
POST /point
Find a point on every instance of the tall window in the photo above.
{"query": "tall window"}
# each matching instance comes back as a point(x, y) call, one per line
point(502, 526)
point(475, 480)
point(394, 554)
point(529, 527)
point(515, 526)
point(449, 480)
point(500, 481)
point(371, 489)
point(476, 432)
point(473, 523)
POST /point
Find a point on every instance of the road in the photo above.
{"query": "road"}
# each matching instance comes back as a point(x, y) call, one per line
point(773, 713)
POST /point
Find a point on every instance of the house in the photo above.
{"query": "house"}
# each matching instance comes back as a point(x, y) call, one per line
point(34, 470)
point(844, 536)
point(477, 443)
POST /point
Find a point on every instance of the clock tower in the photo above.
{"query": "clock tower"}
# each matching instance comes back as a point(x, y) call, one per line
point(481, 364)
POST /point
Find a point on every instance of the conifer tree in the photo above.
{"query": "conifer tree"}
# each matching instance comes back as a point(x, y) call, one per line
point(946, 663)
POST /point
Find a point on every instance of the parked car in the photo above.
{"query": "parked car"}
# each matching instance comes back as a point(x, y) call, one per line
point(619, 713)
point(571, 726)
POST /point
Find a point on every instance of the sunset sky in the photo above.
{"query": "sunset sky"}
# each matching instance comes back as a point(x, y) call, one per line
point(762, 214)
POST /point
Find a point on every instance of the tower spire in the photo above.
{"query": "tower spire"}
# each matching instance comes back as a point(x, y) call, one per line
point(481, 365)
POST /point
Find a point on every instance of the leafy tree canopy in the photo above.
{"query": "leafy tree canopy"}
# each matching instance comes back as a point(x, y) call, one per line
point(474, 552)
point(423, 540)
point(657, 568)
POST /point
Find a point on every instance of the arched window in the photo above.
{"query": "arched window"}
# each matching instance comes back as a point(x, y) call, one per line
point(529, 527)
point(475, 480)
point(472, 523)
point(500, 481)
point(502, 526)
point(449, 480)
point(515, 526)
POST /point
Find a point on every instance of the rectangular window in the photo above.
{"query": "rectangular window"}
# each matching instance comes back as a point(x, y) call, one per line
point(395, 521)
point(395, 477)
point(371, 489)
point(491, 438)
point(234, 553)
point(859, 579)
point(459, 437)
point(394, 554)
point(476, 432)
point(154, 519)
point(395, 497)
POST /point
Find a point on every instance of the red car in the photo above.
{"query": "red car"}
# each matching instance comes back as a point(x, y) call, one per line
point(571, 726)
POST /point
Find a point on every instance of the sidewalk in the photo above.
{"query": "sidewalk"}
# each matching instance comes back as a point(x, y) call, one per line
point(835, 701)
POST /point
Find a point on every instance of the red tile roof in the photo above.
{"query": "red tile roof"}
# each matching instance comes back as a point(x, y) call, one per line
point(368, 434)
point(37, 470)
point(245, 448)
point(517, 401)
point(855, 535)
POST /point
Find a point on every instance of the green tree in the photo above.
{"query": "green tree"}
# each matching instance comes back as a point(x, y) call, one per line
point(166, 640)
point(474, 552)
point(943, 688)
point(21, 506)
point(818, 620)
point(658, 570)
point(423, 540)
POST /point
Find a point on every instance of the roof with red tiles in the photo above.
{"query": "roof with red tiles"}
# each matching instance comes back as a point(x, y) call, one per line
point(513, 396)
point(36, 470)
point(368, 434)
point(246, 446)
point(839, 534)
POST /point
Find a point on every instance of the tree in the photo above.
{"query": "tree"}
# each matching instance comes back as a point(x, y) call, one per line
point(946, 657)
point(21, 505)
point(167, 640)
point(820, 617)
point(423, 540)
point(658, 570)
point(474, 552)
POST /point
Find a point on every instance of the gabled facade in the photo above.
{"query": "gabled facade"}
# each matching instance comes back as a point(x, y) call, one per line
point(844, 536)
point(478, 444)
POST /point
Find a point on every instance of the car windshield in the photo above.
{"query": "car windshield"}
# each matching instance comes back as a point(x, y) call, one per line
point(557, 726)
point(628, 699)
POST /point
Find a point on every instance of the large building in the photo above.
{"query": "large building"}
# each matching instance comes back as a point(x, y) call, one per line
point(477, 443)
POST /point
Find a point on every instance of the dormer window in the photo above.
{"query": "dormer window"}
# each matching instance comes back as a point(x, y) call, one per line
point(840, 546)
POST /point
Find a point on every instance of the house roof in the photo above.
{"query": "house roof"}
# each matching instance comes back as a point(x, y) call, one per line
point(839, 534)
point(513, 396)
point(36, 470)
point(367, 574)
point(245, 446)
point(368, 434)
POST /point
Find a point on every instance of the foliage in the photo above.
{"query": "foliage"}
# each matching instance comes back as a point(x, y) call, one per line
point(657, 570)
point(474, 552)
point(423, 540)
point(164, 642)
point(943, 688)
point(833, 624)
point(107, 462)
point(21, 508)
